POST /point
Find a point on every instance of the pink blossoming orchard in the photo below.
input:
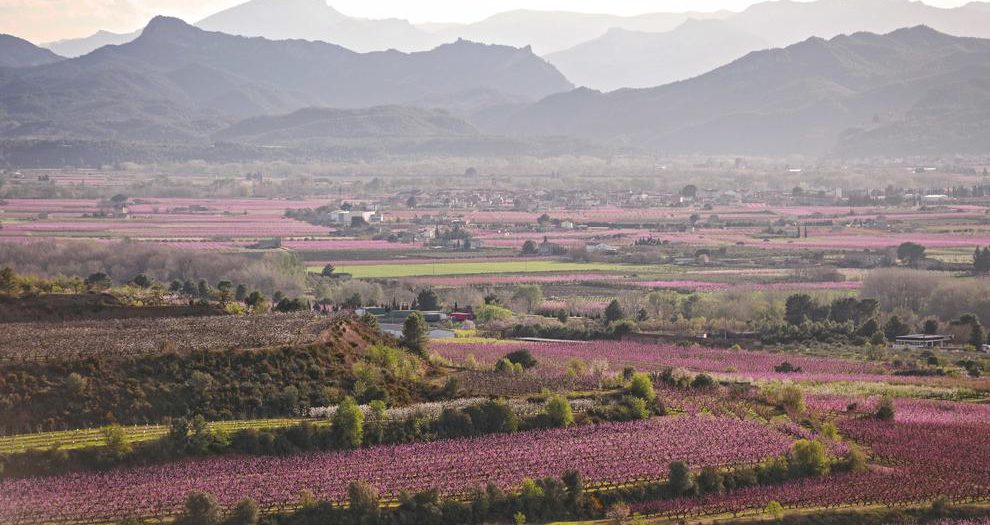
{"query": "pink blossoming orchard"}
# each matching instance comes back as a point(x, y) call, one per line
point(372, 355)
point(292, 266)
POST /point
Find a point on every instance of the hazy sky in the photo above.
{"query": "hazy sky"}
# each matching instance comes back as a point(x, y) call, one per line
point(46, 20)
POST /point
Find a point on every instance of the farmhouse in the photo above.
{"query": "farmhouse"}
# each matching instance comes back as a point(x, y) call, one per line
point(348, 217)
point(602, 248)
point(922, 340)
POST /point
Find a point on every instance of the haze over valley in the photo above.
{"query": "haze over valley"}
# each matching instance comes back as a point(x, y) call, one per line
point(494, 262)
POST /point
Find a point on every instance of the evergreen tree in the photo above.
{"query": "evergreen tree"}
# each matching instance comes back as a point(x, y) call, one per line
point(203, 289)
point(416, 334)
point(976, 336)
point(895, 328)
point(911, 253)
point(428, 300)
point(613, 312)
point(225, 290)
point(981, 260)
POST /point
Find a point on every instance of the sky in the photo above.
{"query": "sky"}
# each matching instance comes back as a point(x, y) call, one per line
point(48, 20)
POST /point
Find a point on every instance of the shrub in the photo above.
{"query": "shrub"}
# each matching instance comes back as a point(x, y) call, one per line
point(492, 417)
point(363, 502)
point(679, 478)
point(808, 458)
point(201, 509)
point(370, 319)
point(856, 460)
point(504, 366)
point(522, 357)
point(710, 481)
point(454, 423)
point(641, 386)
point(629, 409)
point(491, 312)
point(885, 410)
point(246, 512)
point(703, 381)
point(559, 411)
point(786, 368)
point(775, 509)
point(117, 445)
point(791, 399)
point(618, 513)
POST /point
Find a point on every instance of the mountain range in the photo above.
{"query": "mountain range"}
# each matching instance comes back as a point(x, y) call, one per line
point(911, 91)
point(178, 82)
point(544, 31)
point(77, 47)
point(636, 59)
point(552, 31)
point(315, 20)
point(589, 48)
point(17, 52)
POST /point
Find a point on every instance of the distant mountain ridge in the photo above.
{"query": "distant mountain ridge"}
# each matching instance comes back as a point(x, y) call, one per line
point(17, 52)
point(622, 59)
point(786, 22)
point(861, 94)
point(178, 82)
point(631, 59)
point(589, 47)
point(316, 20)
point(552, 31)
point(910, 91)
point(77, 47)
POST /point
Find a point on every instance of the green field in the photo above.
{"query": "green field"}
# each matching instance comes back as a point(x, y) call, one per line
point(387, 271)
point(93, 437)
